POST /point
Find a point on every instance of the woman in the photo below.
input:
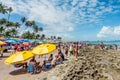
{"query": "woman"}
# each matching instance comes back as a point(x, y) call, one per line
point(58, 60)
point(50, 58)
point(61, 54)
point(76, 50)
point(32, 65)
point(44, 65)
point(66, 51)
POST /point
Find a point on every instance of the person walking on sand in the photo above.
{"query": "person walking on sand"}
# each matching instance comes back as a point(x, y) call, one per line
point(1, 50)
point(76, 50)
point(66, 51)
point(71, 49)
point(116, 46)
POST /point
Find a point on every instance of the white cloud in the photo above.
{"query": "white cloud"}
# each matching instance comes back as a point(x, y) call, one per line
point(117, 30)
point(70, 29)
point(108, 31)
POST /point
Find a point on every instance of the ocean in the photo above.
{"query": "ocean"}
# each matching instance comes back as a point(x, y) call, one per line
point(105, 42)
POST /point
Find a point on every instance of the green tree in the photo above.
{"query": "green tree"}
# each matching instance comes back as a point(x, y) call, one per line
point(54, 37)
point(43, 36)
point(37, 36)
point(3, 21)
point(2, 30)
point(7, 34)
point(3, 9)
point(28, 24)
point(59, 38)
point(51, 37)
point(9, 24)
point(13, 32)
point(40, 29)
point(33, 23)
point(17, 25)
point(23, 19)
point(9, 11)
point(35, 28)
point(27, 35)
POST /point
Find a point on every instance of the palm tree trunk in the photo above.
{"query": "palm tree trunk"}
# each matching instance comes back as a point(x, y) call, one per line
point(8, 16)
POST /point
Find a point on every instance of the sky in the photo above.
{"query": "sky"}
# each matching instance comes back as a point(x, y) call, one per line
point(73, 20)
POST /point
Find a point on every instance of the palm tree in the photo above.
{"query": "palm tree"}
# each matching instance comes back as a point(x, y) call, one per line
point(33, 23)
point(17, 25)
point(37, 36)
point(23, 19)
point(36, 29)
point(28, 24)
point(32, 35)
point(2, 29)
point(59, 38)
point(54, 37)
point(7, 34)
point(10, 24)
point(41, 29)
point(27, 35)
point(13, 32)
point(3, 9)
point(51, 37)
point(43, 36)
point(9, 11)
point(3, 21)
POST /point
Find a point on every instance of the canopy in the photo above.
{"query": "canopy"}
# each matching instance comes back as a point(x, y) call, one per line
point(2, 43)
point(2, 38)
point(19, 57)
point(44, 49)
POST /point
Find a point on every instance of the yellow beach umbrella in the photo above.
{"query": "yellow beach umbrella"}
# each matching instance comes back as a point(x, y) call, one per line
point(16, 38)
point(2, 43)
point(44, 49)
point(18, 57)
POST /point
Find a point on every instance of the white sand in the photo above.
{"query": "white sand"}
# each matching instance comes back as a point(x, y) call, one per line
point(12, 73)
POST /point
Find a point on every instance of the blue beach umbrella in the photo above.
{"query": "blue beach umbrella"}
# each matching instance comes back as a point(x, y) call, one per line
point(20, 40)
point(26, 40)
point(11, 41)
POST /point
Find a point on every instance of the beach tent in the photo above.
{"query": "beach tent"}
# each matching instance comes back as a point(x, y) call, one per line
point(44, 49)
point(18, 57)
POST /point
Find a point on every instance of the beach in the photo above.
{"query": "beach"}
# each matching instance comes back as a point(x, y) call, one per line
point(92, 65)
point(59, 40)
point(9, 72)
point(106, 63)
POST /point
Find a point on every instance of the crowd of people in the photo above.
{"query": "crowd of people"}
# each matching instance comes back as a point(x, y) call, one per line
point(64, 51)
point(15, 47)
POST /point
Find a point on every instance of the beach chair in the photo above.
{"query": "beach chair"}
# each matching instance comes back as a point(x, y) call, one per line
point(31, 68)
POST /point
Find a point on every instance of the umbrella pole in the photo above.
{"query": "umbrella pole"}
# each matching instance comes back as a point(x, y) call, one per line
point(45, 57)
